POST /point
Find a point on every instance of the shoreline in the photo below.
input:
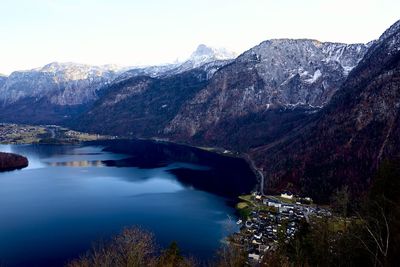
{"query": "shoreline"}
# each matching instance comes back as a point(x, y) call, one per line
point(216, 150)
point(224, 152)
point(76, 138)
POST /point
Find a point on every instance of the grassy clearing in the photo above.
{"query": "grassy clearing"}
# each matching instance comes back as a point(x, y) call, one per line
point(242, 205)
point(247, 198)
point(244, 210)
point(285, 200)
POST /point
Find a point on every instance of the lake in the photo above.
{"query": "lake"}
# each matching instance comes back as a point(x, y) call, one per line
point(71, 196)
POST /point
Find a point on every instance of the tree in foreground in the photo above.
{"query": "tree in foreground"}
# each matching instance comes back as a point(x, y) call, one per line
point(134, 247)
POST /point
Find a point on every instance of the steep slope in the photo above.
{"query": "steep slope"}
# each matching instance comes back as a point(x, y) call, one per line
point(61, 83)
point(208, 58)
point(3, 79)
point(141, 106)
point(58, 92)
point(273, 78)
point(53, 93)
point(264, 93)
point(204, 55)
point(347, 140)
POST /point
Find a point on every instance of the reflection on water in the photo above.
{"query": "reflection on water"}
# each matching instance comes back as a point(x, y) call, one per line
point(71, 195)
point(83, 163)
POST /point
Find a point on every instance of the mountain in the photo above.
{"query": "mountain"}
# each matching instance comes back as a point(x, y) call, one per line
point(208, 58)
point(277, 82)
point(52, 93)
point(313, 115)
point(3, 79)
point(247, 102)
point(141, 106)
point(205, 54)
point(346, 141)
point(61, 83)
point(58, 92)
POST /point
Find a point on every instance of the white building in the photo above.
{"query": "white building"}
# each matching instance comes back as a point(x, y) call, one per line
point(274, 204)
point(254, 256)
point(287, 195)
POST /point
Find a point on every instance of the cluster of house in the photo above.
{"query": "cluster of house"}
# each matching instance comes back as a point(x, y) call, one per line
point(13, 130)
point(271, 221)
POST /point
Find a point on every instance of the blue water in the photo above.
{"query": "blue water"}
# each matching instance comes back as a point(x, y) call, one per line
point(73, 195)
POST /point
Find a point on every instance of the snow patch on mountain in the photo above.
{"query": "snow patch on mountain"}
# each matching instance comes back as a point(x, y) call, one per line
point(208, 58)
point(315, 77)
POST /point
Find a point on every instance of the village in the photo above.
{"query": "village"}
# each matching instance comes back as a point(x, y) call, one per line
point(31, 134)
point(269, 220)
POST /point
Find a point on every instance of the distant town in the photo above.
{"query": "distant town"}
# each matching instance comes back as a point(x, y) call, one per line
point(44, 134)
point(268, 220)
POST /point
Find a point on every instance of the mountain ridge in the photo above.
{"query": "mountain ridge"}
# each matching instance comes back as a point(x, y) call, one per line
point(278, 74)
point(260, 103)
point(58, 92)
point(345, 142)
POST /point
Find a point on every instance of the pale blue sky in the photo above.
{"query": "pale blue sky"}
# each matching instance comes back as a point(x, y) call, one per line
point(129, 32)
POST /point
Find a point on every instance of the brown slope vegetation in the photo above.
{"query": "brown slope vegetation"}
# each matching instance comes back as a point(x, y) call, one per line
point(141, 106)
point(349, 138)
point(9, 161)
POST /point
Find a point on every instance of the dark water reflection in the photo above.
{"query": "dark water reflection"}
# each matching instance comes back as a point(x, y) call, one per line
point(70, 196)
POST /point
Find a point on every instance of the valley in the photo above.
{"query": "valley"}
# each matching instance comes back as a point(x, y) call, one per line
point(305, 132)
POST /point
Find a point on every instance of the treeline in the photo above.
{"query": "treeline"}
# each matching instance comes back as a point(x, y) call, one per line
point(9, 161)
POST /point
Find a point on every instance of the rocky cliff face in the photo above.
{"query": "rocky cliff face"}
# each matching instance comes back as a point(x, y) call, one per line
point(3, 79)
point(346, 141)
point(275, 75)
point(61, 83)
point(207, 58)
point(53, 93)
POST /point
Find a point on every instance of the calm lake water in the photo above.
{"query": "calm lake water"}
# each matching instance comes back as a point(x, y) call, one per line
point(73, 195)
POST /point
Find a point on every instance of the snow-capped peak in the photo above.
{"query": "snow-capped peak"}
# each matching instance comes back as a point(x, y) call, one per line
point(204, 54)
point(55, 67)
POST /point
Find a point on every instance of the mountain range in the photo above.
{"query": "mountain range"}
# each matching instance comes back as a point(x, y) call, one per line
point(313, 116)
point(57, 92)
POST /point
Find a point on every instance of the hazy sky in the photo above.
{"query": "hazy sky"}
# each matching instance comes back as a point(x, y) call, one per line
point(129, 32)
